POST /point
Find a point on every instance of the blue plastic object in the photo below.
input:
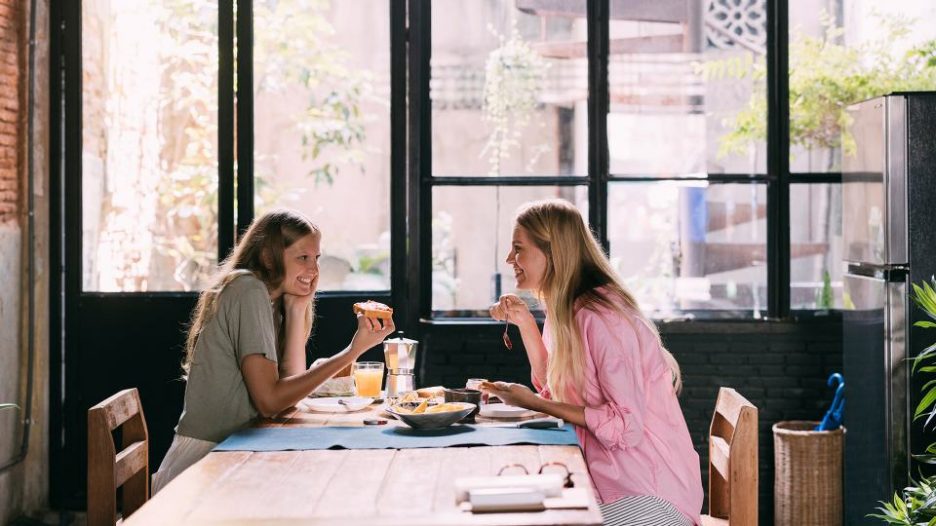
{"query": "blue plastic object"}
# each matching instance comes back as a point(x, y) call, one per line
point(833, 417)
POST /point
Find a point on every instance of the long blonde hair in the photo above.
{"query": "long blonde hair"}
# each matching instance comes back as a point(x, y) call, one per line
point(575, 268)
point(259, 252)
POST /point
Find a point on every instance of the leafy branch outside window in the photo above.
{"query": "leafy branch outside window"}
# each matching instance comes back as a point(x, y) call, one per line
point(297, 50)
point(825, 77)
point(294, 48)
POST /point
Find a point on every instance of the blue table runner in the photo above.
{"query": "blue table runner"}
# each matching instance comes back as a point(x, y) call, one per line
point(392, 437)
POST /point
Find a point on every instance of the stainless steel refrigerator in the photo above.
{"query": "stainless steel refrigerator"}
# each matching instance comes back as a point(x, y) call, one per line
point(889, 236)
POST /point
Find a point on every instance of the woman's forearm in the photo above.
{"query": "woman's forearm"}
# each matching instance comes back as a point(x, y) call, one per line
point(568, 412)
point(294, 388)
point(536, 351)
point(294, 353)
point(272, 394)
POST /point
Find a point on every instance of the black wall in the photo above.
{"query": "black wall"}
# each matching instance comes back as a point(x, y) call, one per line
point(781, 367)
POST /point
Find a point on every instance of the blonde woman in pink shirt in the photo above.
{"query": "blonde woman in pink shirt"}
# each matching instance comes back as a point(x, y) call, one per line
point(600, 365)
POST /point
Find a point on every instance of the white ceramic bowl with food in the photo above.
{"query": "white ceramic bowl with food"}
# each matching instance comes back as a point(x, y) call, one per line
point(431, 417)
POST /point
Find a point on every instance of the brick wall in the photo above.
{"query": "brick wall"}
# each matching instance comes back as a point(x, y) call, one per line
point(10, 66)
point(780, 367)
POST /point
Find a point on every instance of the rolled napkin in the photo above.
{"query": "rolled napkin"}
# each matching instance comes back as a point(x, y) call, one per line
point(489, 500)
point(547, 484)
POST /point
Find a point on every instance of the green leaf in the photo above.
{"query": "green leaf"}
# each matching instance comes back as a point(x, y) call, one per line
point(927, 401)
point(925, 324)
point(923, 355)
point(9, 406)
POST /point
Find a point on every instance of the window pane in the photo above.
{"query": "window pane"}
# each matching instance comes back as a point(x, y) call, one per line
point(472, 228)
point(816, 246)
point(686, 100)
point(149, 144)
point(509, 88)
point(681, 246)
point(845, 52)
point(322, 129)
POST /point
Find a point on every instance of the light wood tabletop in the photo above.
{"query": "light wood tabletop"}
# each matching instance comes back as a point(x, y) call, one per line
point(372, 487)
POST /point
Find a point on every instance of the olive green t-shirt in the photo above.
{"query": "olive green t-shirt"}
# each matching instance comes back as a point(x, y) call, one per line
point(216, 398)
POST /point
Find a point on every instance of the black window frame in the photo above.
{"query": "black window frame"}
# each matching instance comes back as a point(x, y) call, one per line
point(412, 180)
point(777, 178)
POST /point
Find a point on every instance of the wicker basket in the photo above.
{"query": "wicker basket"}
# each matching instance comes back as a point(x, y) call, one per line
point(807, 474)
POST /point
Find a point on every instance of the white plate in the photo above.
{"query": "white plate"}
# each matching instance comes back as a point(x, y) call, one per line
point(504, 411)
point(331, 405)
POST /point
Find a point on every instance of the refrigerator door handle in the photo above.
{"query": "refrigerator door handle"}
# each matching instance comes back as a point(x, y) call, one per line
point(895, 180)
point(890, 274)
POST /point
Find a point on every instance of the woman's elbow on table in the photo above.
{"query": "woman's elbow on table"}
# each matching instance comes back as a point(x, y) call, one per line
point(266, 410)
point(261, 378)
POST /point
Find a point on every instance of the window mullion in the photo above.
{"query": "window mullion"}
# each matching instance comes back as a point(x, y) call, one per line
point(245, 115)
point(778, 161)
point(399, 278)
point(226, 227)
point(419, 209)
point(597, 12)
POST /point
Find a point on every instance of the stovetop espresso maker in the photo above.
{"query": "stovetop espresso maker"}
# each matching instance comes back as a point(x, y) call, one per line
point(400, 357)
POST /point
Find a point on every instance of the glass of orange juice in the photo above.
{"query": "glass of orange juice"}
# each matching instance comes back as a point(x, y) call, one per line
point(367, 377)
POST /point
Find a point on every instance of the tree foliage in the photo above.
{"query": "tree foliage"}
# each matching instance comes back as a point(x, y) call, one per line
point(294, 49)
point(826, 76)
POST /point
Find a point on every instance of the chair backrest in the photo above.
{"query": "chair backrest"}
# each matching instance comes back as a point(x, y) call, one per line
point(109, 469)
point(733, 459)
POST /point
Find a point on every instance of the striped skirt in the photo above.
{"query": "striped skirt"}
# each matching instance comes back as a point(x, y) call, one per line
point(642, 510)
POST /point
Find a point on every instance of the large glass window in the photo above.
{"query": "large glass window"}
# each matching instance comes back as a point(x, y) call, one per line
point(682, 246)
point(682, 87)
point(470, 244)
point(322, 129)
point(816, 246)
point(509, 88)
point(842, 52)
point(149, 144)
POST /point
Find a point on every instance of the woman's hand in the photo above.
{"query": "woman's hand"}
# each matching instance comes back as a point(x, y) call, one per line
point(520, 395)
point(513, 308)
point(517, 395)
point(370, 332)
point(294, 305)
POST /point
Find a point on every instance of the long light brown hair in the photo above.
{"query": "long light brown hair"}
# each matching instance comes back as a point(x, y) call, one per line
point(576, 268)
point(259, 252)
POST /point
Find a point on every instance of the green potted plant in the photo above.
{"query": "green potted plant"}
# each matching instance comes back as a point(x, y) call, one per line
point(916, 504)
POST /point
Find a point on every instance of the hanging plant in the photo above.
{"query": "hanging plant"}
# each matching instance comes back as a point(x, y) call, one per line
point(513, 81)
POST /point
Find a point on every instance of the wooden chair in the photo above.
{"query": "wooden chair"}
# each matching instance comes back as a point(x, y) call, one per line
point(732, 462)
point(109, 469)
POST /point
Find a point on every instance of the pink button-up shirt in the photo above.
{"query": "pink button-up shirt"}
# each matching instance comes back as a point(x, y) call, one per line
point(635, 441)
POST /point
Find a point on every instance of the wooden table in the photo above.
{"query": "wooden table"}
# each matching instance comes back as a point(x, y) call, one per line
point(372, 487)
